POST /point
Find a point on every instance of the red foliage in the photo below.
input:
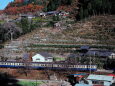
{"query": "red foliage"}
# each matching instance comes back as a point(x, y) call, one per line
point(23, 9)
point(1, 11)
point(65, 8)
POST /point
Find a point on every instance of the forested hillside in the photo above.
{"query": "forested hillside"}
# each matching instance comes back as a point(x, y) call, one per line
point(77, 8)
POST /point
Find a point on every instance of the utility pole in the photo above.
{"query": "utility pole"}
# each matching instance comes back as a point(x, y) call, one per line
point(90, 64)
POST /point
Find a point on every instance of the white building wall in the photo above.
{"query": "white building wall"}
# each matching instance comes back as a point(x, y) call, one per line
point(38, 58)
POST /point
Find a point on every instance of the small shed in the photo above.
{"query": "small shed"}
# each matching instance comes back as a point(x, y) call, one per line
point(42, 57)
point(84, 48)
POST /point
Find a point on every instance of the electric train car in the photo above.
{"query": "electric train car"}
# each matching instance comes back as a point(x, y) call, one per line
point(45, 65)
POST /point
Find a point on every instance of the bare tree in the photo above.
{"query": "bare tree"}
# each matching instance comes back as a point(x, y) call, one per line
point(10, 30)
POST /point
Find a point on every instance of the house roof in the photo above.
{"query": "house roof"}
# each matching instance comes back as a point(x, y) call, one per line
point(37, 56)
point(84, 47)
point(52, 12)
point(100, 77)
point(45, 54)
point(99, 53)
point(25, 56)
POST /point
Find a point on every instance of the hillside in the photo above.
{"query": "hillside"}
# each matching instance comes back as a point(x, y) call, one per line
point(94, 30)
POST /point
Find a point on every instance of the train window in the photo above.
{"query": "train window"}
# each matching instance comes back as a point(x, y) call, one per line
point(88, 66)
point(74, 66)
point(11, 64)
point(22, 63)
point(64, 66)
point(55, 65)
point(7, 63)
point(85, 66)
point(91, 66)
point(38, 64)
point(61, 65)
point(49, 65)
point(34, 64)
point(19, 63)
point(80, 66)
point(42, 64)
point(95, 66)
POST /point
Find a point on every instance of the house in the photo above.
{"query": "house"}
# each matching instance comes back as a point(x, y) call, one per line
point(100, 80)
point(42, 14)
point(74, 57)
point(64, 14)
point(42, 57)
point(97, 80)
point(27, 16)
point(101, 53)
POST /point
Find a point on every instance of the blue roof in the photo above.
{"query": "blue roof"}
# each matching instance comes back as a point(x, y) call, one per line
point(79, 74)
point(100, 77)
point(52, 12)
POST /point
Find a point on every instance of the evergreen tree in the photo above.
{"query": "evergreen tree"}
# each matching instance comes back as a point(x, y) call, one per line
point(94, 7)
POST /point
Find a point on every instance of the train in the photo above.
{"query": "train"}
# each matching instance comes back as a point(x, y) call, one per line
point(46, 65)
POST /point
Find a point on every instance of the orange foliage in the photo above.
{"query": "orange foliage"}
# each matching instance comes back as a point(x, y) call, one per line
point(23, 9)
